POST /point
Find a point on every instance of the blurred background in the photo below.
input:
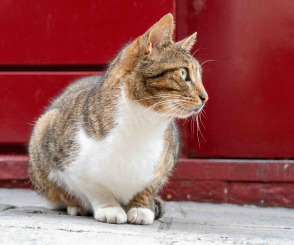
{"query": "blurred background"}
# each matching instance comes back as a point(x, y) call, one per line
point(247, 51)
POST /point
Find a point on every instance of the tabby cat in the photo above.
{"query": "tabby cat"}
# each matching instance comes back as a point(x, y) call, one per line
point(107, 144)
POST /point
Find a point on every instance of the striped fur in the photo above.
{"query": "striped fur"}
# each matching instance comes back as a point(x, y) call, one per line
point(108, 144)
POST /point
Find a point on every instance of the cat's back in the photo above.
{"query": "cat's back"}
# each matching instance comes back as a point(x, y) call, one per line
point(80, 88)
point(63, 113)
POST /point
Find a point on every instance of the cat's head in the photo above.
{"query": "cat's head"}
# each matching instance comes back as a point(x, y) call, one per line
point(162, 74)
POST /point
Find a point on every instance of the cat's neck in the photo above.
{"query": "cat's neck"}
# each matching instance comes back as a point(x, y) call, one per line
point(131, 114)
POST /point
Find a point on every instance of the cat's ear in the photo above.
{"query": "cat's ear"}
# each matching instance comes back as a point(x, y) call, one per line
point(160, 33)
point(188, 42)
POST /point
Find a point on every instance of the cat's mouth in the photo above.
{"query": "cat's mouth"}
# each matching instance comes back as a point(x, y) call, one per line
point(198, 109)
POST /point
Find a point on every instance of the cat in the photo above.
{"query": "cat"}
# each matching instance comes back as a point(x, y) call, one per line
point(108, 144)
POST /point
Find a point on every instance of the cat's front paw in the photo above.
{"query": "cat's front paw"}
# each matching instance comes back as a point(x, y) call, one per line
point(140, 216)
point(114, 215)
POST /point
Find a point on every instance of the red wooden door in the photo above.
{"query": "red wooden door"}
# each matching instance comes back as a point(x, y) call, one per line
point(249, 133)
point(45, 45)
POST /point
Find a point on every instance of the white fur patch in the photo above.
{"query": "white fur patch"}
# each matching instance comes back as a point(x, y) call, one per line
point(114, 215)
point(140, 216)
point(114, 169)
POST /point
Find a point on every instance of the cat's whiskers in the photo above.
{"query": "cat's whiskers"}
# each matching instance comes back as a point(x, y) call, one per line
point(160, 96)
point(33, 123)
point(160, 102)
point(178, 109)
point(164, 108)
point(160, 114)
point(163, 114)
point(185, 121)
point(197, 134)
point(200, 114)
point(199, 130)
point(192, 124)
point(182, 110)
point(204, 113)
point(174, 106)
point(195, 51)
point(157, 113)
point(206, 61)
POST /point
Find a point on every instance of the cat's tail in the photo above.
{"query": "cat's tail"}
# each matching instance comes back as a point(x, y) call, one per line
point(158, 207)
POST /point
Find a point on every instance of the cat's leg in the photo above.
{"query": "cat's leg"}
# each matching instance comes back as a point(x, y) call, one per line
point(73, 206)
point(58, 198)
point(105, 207)
point(144, 207)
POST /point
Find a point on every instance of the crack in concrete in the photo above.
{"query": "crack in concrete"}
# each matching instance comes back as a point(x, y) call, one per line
point(68, 230)
point(6, 207)
point(165, 224)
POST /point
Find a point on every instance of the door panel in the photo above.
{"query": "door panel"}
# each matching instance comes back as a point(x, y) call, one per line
point(24, 97)
point(73, 32)
point(249, 81)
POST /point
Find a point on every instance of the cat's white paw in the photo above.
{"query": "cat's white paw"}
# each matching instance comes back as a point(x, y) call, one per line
point(114, 215)
point(140, 216)
point(72, 210)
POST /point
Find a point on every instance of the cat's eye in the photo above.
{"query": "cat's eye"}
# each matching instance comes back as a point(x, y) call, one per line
point(183, 73)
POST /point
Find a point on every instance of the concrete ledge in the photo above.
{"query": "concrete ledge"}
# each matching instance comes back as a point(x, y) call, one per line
point(25, 218)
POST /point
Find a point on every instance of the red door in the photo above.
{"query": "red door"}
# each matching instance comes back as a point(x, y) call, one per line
point(249, 134)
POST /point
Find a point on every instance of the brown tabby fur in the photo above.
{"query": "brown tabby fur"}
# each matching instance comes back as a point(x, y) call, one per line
point(146, 68)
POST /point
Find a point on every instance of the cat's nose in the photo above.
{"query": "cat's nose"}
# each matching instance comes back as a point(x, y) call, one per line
point(204, 97)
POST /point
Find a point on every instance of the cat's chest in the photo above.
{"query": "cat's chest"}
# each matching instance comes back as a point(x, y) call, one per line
point(124, 162)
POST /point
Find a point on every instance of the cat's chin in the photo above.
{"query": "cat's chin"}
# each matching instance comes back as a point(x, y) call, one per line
point(186, 115)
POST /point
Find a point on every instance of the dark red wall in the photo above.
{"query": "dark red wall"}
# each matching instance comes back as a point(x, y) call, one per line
point(250, 77)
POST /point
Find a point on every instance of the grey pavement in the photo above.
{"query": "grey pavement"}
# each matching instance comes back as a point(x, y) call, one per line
point(25, 218)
